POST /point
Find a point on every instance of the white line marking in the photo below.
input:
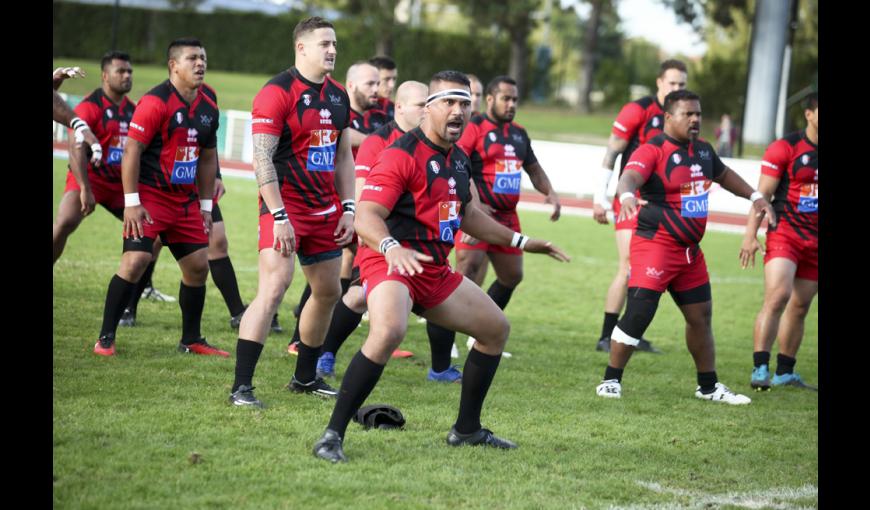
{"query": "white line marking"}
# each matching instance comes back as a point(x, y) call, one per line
point(777, 498)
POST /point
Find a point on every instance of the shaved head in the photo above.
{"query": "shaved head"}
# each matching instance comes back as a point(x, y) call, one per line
point(410, 91)
point(360, 70)
point(362, 85)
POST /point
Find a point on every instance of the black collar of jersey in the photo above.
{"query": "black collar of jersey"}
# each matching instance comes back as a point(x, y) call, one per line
point(655, 98)
point(395, 125)
point(807, 139)
point(295, 72)
point(180, 97)
point(676, 142)
point(418, 132)
point(495, 122)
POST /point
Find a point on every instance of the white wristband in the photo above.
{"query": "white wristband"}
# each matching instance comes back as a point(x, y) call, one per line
point(627, 194)
point(600, 196)
point(755, 196)
point(131, 199)
point(205, 205)
point(519, 240)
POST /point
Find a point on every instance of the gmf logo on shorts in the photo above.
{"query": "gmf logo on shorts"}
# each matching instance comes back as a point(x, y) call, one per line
point(321, 150)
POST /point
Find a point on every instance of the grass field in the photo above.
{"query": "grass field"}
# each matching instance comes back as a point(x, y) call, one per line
point(151, 428)
point(236, 91)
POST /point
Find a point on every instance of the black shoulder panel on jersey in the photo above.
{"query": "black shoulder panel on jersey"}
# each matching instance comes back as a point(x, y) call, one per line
point(208, 91)
point(330, 81)
point(163, 91)
point(283, 80)
point(94, 97)
point(658, 141)
point(407, 142)
point(477, 118)
point(793, 138)
point(644, 102)
point(385, 131)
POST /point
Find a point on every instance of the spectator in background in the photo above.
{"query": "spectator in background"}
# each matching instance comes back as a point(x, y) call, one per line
point(726, 135)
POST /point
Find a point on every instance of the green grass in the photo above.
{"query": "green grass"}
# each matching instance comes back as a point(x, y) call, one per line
point(125, 428)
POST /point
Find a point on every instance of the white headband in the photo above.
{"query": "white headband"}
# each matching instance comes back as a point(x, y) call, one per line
point(448, 94)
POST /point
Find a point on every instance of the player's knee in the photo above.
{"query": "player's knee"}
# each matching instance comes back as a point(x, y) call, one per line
point(218, 247)
point(640, 309)
point(776, 300)
point(511, 278)
point(196, 272)
point(701, 317)
point(355, 299)
point(327, 292)
point(66, 225)
point(799, 309)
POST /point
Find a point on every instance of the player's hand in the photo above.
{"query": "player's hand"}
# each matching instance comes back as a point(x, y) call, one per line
point(469, 240)
point(284, 239)
point(206, 221)
point(762, 207)
point(344, 230)
point(629, 208)
point(553, 198)
point(404, 261)
point(599, 214)
point(62, 73)
point(748, 248)
point(86, 196)
point(542, 246)
point(86, 136)
point(134, 218)
point(219, 189)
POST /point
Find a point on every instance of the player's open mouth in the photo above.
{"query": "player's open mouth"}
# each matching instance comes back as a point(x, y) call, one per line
point(454, 126)
point(694, 130)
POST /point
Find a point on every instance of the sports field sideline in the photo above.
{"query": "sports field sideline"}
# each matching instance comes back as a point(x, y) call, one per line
point(151, 428)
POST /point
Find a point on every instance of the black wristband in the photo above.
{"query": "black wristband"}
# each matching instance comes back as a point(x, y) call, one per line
point(280, 216)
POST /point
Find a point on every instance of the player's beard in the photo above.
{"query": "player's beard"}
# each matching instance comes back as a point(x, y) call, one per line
point(362, 100)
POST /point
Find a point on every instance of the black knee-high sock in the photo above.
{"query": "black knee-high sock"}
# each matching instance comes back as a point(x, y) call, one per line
point(610, 320)
point(359, 380)
point(440, 343)
point(306, 293)
point(500, 294)
point(247, 355)
point(476, 377)
point(145, 281)
point(191, 300)
point(306, 363)
point(117, 296)
point(344, 322)
point(345, 284)
point(224, 277)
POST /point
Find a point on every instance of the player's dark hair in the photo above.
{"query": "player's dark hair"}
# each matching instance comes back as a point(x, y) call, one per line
point(184, 42)
point(676, 96)
point(449, 76)
point(113, 55)
point(383, 62)
point(492, 86)
point(309, 25)
point(811, 102)
point(679, 65)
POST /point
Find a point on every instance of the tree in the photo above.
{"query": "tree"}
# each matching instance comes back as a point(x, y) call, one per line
point(185, 5)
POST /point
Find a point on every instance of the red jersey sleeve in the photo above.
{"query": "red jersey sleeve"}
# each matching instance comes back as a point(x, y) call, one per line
point(271, 107)
point(368, 154)
point(643, 160)
point(388, 178)
point(146, 119)
point(776, 159)
point(88, 112)
point(628, 122)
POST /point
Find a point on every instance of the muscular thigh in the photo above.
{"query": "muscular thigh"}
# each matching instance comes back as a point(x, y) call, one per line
point(467, 310)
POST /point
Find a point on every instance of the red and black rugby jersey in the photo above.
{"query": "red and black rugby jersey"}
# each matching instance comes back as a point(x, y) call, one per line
point(308, 118)
point(373, 145)
point(426, 189)
point(110, 124)
point(638, 122)
point(794, 160)
point(173, 132)
point(678, 178)
point(387, 107)
point(498, 153)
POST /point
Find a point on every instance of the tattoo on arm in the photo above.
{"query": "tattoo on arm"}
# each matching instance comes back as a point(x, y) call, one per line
point(62, 112)
point(615, 147)
point(264, 149)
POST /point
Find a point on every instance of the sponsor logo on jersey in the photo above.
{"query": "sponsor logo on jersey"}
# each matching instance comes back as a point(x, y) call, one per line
point(116, 149)
point(517, 138)
point(335, 99)
point(693, 198)
point(325, 117)
point(262, 121)
point(137, 126)
point(448, 220)
point(184, 168)
point(372, 187)
point(191, 135)
point(451, 184)
point(507, 176)
point(459, 165)
point(510, 151)
point(696, 171)
point(704, 154)
point(205, 120)
point(321, 150)
point(809, 198)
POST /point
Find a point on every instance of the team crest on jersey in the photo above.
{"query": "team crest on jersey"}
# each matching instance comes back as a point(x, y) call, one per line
point(321, 150)
point(492, 137)
point(693, 198)
point(179, 117)
point(184, 168)
point(109, 113)
point(435, 166)
point(677, 159)
point(448, 220)
point(507, 176)
point(809, 198)
point(655, 122)
point(306, 98)
point(805, 159)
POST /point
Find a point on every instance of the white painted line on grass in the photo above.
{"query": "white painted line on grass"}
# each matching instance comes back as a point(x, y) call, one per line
point(776, 498)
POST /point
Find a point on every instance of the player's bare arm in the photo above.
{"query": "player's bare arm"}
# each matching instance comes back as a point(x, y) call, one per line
point(731, 181)
point(134, 212)
point(542, 183)
point(61, 113)
point(78, 166)
point(62, 73)
point(628, 184)
point(344, 186)
point(356, 137)
point(483, 227)
point(267, 180)
point(600, 203)
point(205, 177)
point(766, 186)
point(372, 229)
